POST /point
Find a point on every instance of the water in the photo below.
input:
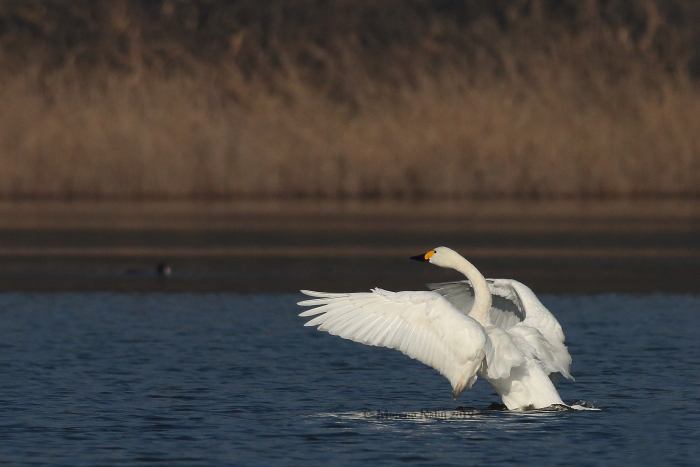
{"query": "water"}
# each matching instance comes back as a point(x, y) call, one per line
point(226, 379)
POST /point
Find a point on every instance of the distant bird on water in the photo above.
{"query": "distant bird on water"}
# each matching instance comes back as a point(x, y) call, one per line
point(164, 269)
point(493, 328)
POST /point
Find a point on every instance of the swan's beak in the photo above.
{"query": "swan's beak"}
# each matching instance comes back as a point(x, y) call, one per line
point(424, 258)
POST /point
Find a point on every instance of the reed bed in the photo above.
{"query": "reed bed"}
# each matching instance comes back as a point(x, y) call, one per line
point(349, 99)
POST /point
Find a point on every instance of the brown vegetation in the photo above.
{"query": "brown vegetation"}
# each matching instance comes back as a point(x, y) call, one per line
point(349, 98)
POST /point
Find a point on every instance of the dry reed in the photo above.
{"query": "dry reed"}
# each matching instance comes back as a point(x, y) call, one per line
point(136, 99)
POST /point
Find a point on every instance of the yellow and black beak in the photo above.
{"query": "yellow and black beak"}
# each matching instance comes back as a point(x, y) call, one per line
point(424, 258)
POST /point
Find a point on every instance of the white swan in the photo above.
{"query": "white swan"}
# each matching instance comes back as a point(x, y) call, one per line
point(515, 343)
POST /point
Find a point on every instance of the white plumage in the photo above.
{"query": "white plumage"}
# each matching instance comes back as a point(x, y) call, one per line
point(516, 308)
point(422, 325)
point(496, 329)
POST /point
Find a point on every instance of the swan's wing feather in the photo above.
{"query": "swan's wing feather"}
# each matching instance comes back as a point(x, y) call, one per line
point(503, 354)
point(531, 340)
point(422, 325)
point(506, 309)
point(515, 304)
point(459, 293)
point(538, 318)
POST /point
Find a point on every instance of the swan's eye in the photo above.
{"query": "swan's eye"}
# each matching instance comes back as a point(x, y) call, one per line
point(429, 254)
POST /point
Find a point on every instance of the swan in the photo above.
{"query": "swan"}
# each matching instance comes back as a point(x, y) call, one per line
point(495, 329)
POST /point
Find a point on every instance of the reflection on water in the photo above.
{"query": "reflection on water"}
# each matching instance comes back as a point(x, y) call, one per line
point(226, 379)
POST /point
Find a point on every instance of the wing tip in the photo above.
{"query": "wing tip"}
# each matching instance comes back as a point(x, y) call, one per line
point(465, 382)
point(323, 296)
point(310, 293)
point(310, 312)
point(313, 293)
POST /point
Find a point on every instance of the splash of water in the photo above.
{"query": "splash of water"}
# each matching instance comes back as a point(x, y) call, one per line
point(585, 405)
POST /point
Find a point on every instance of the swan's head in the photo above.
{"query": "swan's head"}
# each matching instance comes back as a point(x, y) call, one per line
point(440, 256)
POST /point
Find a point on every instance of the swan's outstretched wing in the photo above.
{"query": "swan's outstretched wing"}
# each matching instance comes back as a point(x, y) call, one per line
point(517, 309)
point(506, 309)
point(422, 325)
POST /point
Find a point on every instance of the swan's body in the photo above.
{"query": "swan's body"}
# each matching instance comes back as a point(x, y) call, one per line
point(495, 328)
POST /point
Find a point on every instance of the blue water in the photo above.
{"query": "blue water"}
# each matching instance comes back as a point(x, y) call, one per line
point(225, 379)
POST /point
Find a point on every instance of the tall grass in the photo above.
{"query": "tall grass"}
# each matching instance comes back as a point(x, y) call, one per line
point(148, 99)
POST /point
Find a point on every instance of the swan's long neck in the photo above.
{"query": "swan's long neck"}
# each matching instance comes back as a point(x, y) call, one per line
point(482, 295)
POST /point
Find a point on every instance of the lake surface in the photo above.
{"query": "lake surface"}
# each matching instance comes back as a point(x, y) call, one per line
point(235, 379)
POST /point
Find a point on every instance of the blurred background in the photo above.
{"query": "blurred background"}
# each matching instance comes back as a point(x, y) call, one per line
point(270, 146)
